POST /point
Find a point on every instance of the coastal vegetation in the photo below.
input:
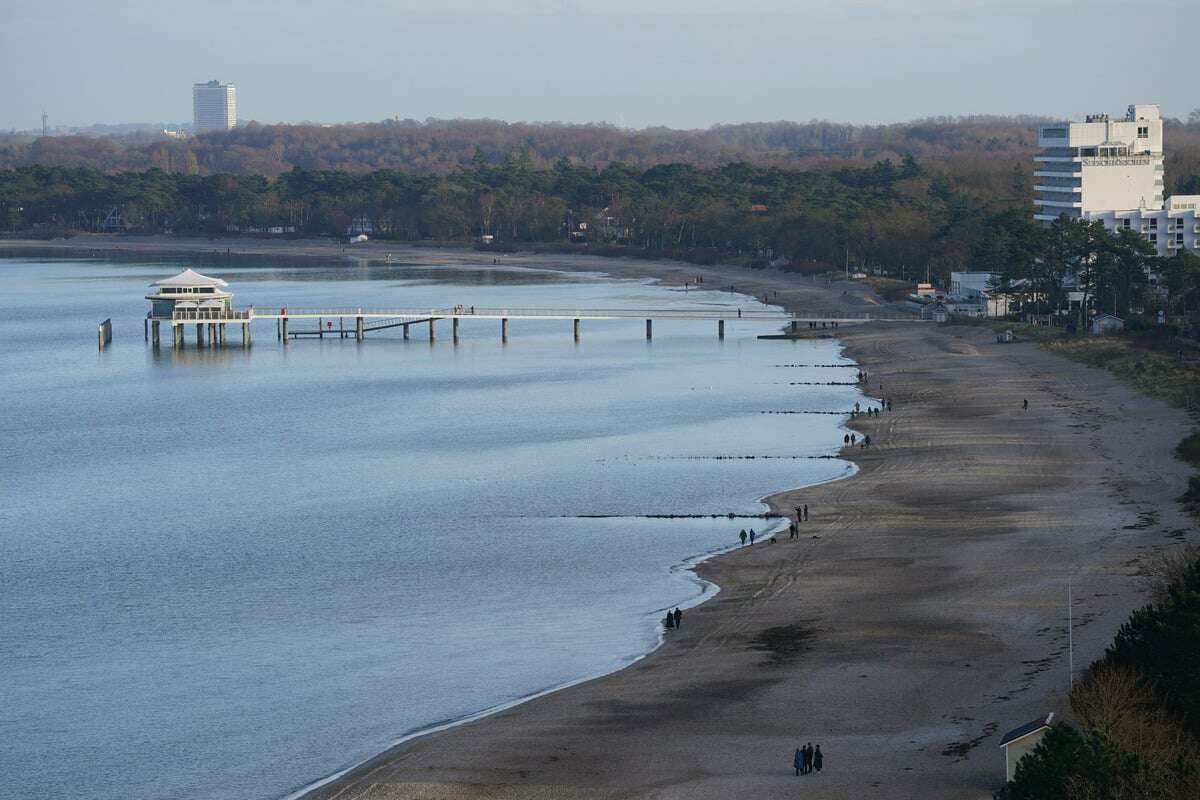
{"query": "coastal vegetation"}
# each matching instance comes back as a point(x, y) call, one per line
point(1137, 710)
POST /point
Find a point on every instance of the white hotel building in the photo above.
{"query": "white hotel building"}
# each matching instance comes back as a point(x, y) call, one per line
point(1112, 170)
point(214, 106)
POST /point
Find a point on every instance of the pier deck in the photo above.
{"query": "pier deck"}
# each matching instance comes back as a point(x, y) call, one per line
point(366, 319)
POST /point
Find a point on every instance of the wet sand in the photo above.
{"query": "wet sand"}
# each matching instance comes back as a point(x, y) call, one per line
point(922, 613)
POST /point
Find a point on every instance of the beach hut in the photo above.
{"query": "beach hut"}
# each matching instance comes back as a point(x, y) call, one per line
point(188, 291)
point(1106, 325)
point(1020, 741)
point(935, 311)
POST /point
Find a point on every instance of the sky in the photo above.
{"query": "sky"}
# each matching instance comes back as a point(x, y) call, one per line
point(632, 63)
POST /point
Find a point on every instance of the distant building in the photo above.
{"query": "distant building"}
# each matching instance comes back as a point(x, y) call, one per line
point(1106, 325)
point(214, 106)
point(1100, 164)
point(1172, 229)
point(1020, 741)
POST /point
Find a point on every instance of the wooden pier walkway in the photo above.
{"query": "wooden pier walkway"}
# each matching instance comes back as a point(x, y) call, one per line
point(363, 320)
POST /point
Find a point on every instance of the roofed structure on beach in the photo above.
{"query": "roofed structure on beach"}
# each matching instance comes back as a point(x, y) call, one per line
point(190, 278)
point(1021, 740)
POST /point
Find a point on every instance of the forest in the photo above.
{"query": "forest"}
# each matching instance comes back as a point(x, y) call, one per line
point(912, 201)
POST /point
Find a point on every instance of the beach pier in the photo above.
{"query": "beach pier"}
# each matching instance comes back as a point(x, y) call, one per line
point(193, 299)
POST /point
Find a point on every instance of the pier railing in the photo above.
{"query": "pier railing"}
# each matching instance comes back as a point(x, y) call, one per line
point(212, 315)
point(569, 313)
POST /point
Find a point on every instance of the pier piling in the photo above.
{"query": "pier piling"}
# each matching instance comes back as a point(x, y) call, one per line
point(283, 327)
point(432, 329)
point(405, 327)
point(358, 328)
point(504, 329)
point(720, 329)
point(454, 328)
point(104, 332)
point(649, 329)
point(577, 326)
point(154, 334)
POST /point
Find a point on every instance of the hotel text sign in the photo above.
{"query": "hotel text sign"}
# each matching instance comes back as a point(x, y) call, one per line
point(1114, 162)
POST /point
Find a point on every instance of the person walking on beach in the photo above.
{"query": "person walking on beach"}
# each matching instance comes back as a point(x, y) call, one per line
point(792, 531)
point(806, 512)
point(798, 760)
point(739, 313)
point(669, 622)
point(1025, 405)
point(867, 440)
point(853, 438)
point(678, 617)
point(889, 404)
point(846, 439)
point(742, 536)
point(817, 758)
point(808, 757)
point(752, 536)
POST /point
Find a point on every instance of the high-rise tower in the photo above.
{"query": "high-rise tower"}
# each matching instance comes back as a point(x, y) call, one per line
point(214, 106)
point(1100, 164)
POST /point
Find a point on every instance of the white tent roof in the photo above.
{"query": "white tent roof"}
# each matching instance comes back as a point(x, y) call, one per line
point(190, 278)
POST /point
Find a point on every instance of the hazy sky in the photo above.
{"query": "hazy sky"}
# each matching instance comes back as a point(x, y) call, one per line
point(681, 63)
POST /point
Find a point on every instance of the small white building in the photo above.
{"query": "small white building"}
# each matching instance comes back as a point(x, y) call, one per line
point(188, 291)
point(1020, 741)
point(1106, 325)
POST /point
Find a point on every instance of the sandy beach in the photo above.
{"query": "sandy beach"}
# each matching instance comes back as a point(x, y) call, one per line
point(921, 614)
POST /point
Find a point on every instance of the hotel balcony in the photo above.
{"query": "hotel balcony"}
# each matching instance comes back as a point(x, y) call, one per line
point(1056, 203)
point(1059, 189)
point(1047, 173)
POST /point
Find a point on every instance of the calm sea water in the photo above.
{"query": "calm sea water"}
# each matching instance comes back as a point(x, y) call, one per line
point(227, 573)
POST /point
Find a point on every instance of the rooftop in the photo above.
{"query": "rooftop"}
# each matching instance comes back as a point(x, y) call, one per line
point(1026, 729)
point(190, 278)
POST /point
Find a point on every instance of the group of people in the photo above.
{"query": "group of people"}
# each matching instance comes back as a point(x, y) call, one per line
point(801, 516)
point(674, 619)
point(744, 536)
point(807, 759)
point(813, 325)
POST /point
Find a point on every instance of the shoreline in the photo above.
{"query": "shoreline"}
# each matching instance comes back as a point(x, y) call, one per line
point(921, 616)
point(940, 564)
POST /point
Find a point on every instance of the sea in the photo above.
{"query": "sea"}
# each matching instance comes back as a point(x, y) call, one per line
point(228, 573)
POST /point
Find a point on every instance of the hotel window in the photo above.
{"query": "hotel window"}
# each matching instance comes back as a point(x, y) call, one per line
point(1126, 223)
point(1153, 238)
point(1154, 223)
point(1143, 132)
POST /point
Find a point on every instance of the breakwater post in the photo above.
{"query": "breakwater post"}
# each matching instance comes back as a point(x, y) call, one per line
point(720, 329)
point(649, 329)
point(504, 329)
point(104, 332)
point(577, 328)
point(358, 328)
